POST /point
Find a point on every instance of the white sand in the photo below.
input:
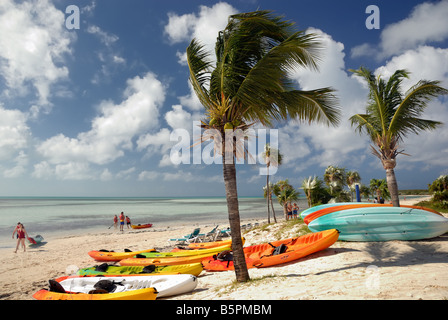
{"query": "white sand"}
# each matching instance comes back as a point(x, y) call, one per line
point(346, 270)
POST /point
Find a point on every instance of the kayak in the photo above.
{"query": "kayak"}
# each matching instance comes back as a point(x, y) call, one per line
point(165, 285)
point(186, 253)
point(141, 226)
point(382, 224)
point(105, 270)
point(165, 261)
point(207, 245)
point(276, 252)
point(310, 210)
point(141, 294)
point(328, 210)
point(36, 239)
point(104, 255)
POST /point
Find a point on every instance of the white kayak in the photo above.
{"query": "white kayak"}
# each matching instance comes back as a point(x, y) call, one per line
point(166, 285)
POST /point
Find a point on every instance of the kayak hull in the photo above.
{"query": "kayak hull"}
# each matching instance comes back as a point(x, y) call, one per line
point(141, 226)
point(327, 210)
point(193, 268)
point(262, 255)
point(110, 256)
point(165, 285)
point(142, 294)
point(382, 224)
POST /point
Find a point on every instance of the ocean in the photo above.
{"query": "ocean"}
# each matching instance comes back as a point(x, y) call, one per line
point(51, 217)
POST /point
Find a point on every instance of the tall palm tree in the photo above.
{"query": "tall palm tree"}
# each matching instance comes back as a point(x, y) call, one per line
point(273, 158)
point(271, 189)
point(335, 178)
point(285, 193)
point(353, 178)
point(380, 188)
point(391, 115)
point(249, 83)
point(308, 185)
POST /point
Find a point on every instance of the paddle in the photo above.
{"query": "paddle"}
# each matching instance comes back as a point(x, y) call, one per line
point(110, 226)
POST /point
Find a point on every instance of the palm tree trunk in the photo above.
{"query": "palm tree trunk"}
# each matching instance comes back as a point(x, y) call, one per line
point(392, 186)
point(268, 194)
point(239, 261)
point(272, 207)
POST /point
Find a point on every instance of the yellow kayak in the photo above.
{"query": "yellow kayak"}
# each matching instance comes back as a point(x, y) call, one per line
point(139, 294)
point(104, 255)
point(165, 261)
point(186, 253)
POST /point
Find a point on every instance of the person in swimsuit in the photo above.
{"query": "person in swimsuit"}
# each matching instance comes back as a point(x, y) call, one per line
point(21, 236)
point(121, 221)
point(115, 222)
point(295, 210)
point(128, 222)
point(289, 209)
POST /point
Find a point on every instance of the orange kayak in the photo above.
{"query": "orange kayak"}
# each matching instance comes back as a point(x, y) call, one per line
point(107, 256)
point(141, 226)
point(268, 254)
point(328, 210)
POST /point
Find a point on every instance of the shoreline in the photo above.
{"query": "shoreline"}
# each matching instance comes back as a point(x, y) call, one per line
point(346, 270)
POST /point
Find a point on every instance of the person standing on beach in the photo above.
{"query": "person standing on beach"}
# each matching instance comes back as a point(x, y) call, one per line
point(21, 236)
point(128, 222)
point(121, 221)
point(289, 209)
point(115, 222)
point(295, 210)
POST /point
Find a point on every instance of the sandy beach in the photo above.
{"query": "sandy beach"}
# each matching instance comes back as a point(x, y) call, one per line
point(409, 270)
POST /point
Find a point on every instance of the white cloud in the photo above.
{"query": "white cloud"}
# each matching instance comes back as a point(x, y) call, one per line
point(14, 132)
point(33, 44)
point(329, 145)
point(112, 131)
point(426, 63)
point(203, 26)
point(427, 23)
point(106, 38)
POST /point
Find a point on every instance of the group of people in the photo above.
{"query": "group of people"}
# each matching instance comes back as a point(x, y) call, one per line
point(292, 211)
point(122, 219)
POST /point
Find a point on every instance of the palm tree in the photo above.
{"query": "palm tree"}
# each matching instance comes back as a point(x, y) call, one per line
point(353, 178)
point(391, 115)
point(273, 158)
point(271, 190)
point(285, 193)
point(335, 178)
point(379, 187)
point(308, 185)
point(249, 83)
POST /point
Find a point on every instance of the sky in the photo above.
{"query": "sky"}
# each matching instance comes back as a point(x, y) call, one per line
point(92, 92)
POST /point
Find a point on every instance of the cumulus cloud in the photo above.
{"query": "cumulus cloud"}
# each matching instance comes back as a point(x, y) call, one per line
point(430, 64)
point(203, 26)
point(426, 24)
point(112, 131)
point(33, 44)
point(328, 144)
point(14, 133)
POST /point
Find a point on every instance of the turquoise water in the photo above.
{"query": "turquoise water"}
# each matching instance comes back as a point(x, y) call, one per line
point(56, 216)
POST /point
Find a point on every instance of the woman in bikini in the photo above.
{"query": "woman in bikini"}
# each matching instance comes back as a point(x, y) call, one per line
point(21, 236)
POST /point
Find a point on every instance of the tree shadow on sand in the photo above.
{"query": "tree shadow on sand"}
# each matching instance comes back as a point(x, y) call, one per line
point(384, 254)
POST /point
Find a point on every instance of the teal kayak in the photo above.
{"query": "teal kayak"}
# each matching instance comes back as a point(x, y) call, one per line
point(308, 211)
point(382, 224)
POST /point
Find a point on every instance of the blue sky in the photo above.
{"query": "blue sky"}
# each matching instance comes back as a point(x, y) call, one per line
point(89, 111)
